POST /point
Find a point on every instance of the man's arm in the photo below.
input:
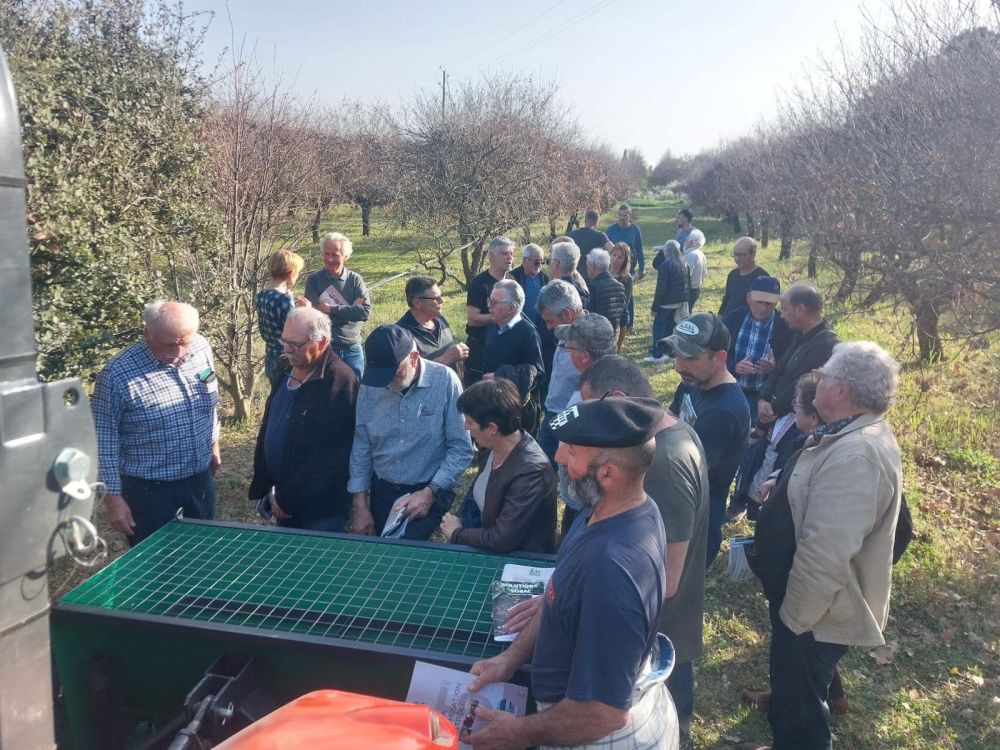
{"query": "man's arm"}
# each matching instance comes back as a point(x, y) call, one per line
point(638, 249)
point(361, 449)
point(360, 309)
point(568, 722)
point(458, 453)
point(475, 318)
point(676, 554)
point(107, 406)
point(502, 667)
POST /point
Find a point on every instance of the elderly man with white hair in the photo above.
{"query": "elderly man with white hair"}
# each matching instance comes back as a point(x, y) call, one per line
point(500, 259)
point(823, 545)
point(512, 349)
point(607, 294)
point(157, 430)
point(564, 257)
point(697, 263)
point(342, 295)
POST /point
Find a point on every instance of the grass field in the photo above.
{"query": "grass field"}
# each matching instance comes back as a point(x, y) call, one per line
point(940, 686)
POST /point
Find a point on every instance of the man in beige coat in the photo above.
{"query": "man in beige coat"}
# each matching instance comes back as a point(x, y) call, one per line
point(825, 539)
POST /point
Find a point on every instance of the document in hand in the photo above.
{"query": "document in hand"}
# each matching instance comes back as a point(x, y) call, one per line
point(447, 691)
point(517, 584)
point(739, 568)
point(395, 524)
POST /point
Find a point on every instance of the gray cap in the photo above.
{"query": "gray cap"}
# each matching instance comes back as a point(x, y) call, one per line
point(593, 332)
point(701, 332)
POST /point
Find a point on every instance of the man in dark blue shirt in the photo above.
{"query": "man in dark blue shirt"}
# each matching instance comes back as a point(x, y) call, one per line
point(596, 628)
point(627, 232)
point(710, 400)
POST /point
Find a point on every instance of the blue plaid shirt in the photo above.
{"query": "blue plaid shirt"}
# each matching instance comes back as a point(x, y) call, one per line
point(155, 421)
point(753, 340)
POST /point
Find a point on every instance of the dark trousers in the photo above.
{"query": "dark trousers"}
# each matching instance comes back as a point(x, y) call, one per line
point(681, 687)
point(716, 517)
point(547, 440)
point(693, 295)
point(155, 502)
point(384, 494)
point(334, 523)
point(801, 671)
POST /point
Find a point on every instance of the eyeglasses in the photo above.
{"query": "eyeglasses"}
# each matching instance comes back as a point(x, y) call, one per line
point(535, 261)
point(294, 345)
point(494, 303)
point(742, 255)
point(439, 298)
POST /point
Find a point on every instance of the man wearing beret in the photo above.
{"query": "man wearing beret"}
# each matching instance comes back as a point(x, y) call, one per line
point(594, 637)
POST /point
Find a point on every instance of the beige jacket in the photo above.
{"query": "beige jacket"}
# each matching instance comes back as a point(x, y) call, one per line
point(844, 494)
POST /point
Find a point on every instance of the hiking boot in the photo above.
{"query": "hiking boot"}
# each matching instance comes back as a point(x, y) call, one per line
point(761, 700)
point(839, 706)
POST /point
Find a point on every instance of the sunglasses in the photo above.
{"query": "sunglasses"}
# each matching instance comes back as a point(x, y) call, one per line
point(433, 299)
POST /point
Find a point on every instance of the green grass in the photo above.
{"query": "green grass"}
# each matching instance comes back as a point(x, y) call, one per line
point(942, 689)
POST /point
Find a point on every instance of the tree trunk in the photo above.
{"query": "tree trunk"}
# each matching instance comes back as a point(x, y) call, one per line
point(928, 335)
point(751, 227)
point(317, 217)
point(813, 256)
point(526, 231)
point(734, 219)
point(552, 229)
point(847, 285)
point(366, 219)
point(765, 235)
point(573, 223)
point(786, 240)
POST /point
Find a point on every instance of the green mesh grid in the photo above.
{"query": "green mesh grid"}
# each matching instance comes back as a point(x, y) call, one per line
point(429, 598)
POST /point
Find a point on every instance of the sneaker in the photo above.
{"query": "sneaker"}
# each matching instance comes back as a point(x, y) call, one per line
point(657, 360)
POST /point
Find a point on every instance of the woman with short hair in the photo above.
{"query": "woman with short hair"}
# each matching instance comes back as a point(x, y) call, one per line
point(273, 304)
point(512, 504)
point(824, 541)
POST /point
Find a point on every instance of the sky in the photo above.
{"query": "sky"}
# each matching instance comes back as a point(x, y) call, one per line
point(651, 74)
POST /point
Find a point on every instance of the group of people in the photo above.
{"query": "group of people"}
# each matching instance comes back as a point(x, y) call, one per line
point(357, 432)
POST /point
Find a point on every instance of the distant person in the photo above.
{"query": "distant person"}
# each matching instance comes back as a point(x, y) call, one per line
point(511, 506)
point(304, 443)
point(619, 271)
point(273, 304)
point(607, 295)
point(697, 263)
point(429, 328)
point(500, 259)
point(811, 346)
point(629, 233)
point(670, 300)
point(677, 481)
point(155, 409)
point(409, 437)
point(532, 278)
point(558, 305)
point(739, 279)
point(589, 237)
point(710, 400)
point(595, 631)
point(823, 545)
point(342, 295)
point(684, 227)
point(759, 337)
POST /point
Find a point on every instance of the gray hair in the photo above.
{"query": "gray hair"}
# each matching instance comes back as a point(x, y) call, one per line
point(599, 259)
point(498, 242)
point(697, 238)
point(558, 296)
point(345, 244)
point(672, 250)
point(870, 373)
point(567, 254)
point(162, 313)
point(513, 292)
point(531, 250)
point(595, 334)
point(316, 324)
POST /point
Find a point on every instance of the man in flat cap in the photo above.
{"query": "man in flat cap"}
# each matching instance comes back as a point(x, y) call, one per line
point(409, 437)
point(594, 638)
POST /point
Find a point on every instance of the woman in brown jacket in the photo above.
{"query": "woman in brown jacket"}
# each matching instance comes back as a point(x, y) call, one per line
point(512, 504)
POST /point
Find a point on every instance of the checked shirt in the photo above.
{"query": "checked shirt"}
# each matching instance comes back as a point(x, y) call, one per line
point(753, 341)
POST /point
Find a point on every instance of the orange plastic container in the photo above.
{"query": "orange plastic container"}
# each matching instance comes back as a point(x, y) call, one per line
point(328, 719)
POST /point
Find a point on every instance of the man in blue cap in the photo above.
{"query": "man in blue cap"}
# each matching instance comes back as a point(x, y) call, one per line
point(409, 437)
point(592, 643)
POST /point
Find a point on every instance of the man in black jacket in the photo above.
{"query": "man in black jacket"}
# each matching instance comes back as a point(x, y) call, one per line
point(607, 295)
point(304, 444)
point(811, 347)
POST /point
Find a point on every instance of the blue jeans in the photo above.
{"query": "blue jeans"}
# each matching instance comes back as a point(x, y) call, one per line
point(354, 357)
point(155, 502)
point(681, 686)
point(801, 671)
point(663, 326)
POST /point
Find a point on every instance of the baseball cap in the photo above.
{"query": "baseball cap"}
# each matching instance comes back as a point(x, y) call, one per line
point(765, 289)
point(611, 422)
point(385, 348)
point(701, 332)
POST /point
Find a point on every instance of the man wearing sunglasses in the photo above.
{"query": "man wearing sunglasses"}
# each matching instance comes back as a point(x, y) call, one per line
point(429, 328)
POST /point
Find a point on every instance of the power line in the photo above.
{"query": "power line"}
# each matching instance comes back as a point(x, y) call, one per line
point(504, 38)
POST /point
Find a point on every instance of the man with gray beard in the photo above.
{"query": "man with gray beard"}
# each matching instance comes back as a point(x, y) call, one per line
point(598, 665)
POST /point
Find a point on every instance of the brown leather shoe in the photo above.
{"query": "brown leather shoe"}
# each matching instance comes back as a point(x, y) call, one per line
point(840, 706)
point(761, 700)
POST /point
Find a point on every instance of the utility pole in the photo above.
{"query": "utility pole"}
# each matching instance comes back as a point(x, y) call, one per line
point(444, 78)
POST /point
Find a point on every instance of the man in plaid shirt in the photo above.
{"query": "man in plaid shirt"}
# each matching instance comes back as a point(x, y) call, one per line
point(157, 429)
